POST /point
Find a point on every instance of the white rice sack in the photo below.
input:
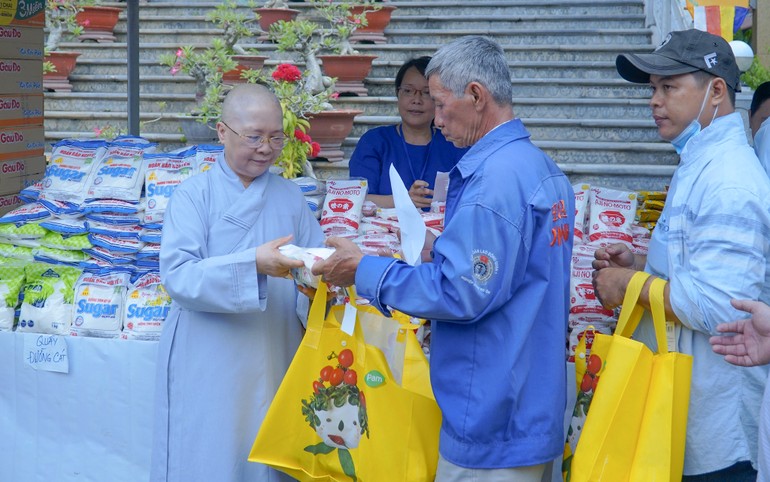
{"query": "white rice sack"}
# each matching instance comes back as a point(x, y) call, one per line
point(163, 173)
point(582, 193)
point(344, 201)
point(26, 213)
point(119, 174)
point(48, 295)
point(70, 169)
point(611, 214)
point(206, 156)
point(309, 256)
point(11, 282)
point(310, 185)
point(147, 305)
point(585, 308)
point(99, 305)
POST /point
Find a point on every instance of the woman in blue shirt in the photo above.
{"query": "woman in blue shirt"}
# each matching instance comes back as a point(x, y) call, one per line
point(415, 147)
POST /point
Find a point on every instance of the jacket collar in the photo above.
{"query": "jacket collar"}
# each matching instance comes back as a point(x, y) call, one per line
point(505, 133)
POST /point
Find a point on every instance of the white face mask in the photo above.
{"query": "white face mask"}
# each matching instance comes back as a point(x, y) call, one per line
point(694, 127)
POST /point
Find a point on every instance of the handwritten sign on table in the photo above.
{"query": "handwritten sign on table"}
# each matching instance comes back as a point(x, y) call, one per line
point(46, 352)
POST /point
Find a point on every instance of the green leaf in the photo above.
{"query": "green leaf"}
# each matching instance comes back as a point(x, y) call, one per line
point(346, 461)
point(320, 448)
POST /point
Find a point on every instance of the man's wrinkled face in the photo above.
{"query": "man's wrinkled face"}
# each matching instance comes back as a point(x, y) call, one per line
point(455, 116)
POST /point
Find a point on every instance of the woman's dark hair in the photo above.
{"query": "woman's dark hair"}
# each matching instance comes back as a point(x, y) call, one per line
point(760, 96)
point(420, 63)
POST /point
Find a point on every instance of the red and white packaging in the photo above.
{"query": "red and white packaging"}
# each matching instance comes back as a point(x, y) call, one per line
point(581, 210)
point(641, 241)
point(382, 240)
point(611, 214)
point(585, 307)
point(343, 205)
point(433, 220)
point(579, 331)
point(438, 207)
point(368, 227)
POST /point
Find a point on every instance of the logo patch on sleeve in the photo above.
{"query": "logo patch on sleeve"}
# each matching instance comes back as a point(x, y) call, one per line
point(484, 265)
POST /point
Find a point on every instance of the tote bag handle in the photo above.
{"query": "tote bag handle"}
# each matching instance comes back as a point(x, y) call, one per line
point(630, 317)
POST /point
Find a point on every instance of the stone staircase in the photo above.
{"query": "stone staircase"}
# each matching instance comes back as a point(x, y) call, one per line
point(561, 53)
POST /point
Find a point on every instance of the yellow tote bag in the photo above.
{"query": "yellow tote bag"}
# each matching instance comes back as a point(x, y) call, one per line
point(341, 414)
point(637, 420)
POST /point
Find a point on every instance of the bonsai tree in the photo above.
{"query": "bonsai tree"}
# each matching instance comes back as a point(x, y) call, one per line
point(60, 22)
point(297, 102)
point(309, 38)
point(275, 4)
point(206, 66)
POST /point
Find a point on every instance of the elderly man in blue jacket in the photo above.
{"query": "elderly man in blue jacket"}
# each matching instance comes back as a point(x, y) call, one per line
point(497, 287)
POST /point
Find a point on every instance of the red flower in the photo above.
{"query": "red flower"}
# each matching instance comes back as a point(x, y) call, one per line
point(301, 136)
point(287, 73)
point(334, 95)
point(315, 149)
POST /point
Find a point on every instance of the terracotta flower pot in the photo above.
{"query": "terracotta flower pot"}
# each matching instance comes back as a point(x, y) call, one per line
point(245, 62)
point(329, 128)
point(376, 20)
point(64, 63)
point(268, 16)
point(350, 71)
point(98, 23)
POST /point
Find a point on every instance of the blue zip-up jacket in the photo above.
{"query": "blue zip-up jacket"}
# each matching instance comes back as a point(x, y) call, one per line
point(497, 293)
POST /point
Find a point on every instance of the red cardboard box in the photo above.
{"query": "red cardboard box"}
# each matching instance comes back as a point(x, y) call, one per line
point(21, 110)
point(22, 12)
point(21, 42)
point(21, 76)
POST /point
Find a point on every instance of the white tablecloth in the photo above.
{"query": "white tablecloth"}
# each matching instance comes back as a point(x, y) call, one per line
point(91, 424)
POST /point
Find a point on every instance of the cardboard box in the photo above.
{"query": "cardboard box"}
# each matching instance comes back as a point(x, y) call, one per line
point(21, 110)
point(12, 185)
point(21, 42)
point(21, 142)
point(21, 76)
point(26, 12)
point(21, 166)
point(9, 202)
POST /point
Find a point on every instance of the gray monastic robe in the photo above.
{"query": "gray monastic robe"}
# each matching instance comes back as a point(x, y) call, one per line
point(230, 334)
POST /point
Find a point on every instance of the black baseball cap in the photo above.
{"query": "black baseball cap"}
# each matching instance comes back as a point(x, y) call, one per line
point(682, 52)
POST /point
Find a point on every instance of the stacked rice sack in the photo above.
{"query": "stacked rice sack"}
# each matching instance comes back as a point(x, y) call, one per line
point(375, 230)
point(84, 241)
point(603, 216)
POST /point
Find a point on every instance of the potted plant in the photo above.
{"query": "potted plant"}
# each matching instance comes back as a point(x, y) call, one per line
point(298, 104)
point(346, 64)
point(60, 21)
point(98, 21)
point(309, 38)
point(377, 19)
point(271, 12)
point(205, 67)
point(235, 26)
point(209, 66)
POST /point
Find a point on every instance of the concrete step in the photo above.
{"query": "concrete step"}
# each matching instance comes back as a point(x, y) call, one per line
point(567, 108)
point(380, 68)
point(582, 130)
point(445, 22)
point(566, 52)
point(378, 87)
point(412, 8)
point(503, 34)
